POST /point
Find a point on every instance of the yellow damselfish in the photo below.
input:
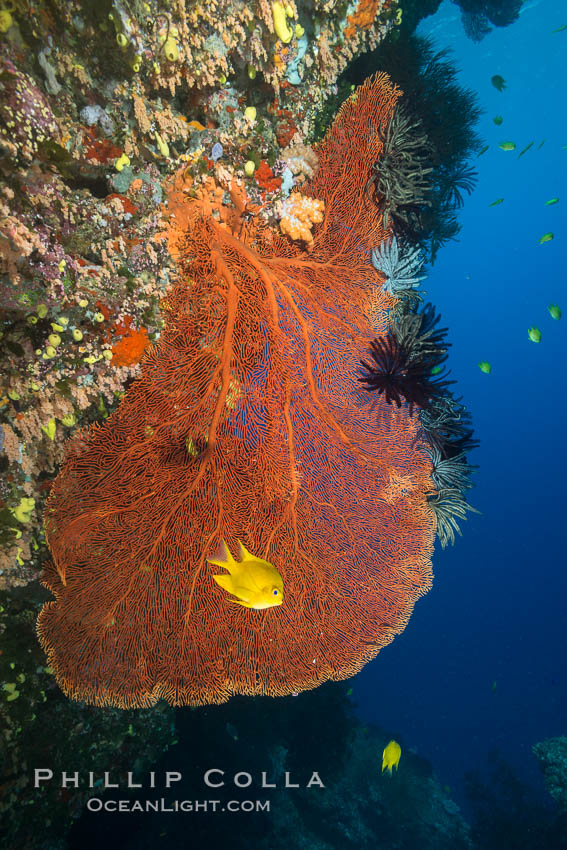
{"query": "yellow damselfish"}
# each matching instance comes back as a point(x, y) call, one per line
point(391, 757)
point(253, 582)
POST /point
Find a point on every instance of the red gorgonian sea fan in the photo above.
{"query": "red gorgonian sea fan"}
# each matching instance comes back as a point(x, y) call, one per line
point(248, 422)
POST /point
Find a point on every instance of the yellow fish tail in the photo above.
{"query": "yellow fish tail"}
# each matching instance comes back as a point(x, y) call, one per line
point(223, 558)
point(243, 553)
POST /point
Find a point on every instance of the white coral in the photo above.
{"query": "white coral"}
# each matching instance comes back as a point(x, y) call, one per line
point(300, 159)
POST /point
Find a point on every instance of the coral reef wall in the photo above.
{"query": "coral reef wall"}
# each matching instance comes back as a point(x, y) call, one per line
point(99, 103)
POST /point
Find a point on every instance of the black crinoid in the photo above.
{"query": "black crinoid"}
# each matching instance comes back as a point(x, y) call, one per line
point(448, 437)
point(447, 427)
point(423, 174)
point(407, 366)
point(407, 363)
point(399, 182)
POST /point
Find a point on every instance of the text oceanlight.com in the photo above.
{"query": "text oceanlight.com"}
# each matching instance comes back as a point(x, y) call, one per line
point(95, 804)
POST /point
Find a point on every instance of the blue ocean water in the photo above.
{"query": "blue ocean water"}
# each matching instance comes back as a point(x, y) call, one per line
point(481, 664)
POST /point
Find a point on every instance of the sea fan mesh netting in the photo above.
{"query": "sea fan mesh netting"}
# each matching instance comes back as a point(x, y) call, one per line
point(248, 422)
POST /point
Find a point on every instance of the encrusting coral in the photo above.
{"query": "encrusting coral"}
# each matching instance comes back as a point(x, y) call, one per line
point(248, 422)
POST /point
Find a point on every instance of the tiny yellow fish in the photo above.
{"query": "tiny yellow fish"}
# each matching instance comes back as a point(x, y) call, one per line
point(494, 687)
point(526, 149)
point(349, 692)
point(391, 757)
point(507, 146)
point(498, 82)
point(495, 203)
point(485, 148)
point(534, 334)
point(551, 202)
point(560, 29)
point(554, 311)
point(253, 582)
point(541, 144)
point(547, 237)
point(498, 120)
point(231, 730)
point(485, 367)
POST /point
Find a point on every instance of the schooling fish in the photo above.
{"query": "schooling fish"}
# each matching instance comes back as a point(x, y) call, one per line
point(498, 120)
point(554, 311)
point(551, 202)
point(560, 29)
point(253, 582)
point(495, 203)
point(507, 146)
point(391, 756)
point(534, 334)
point(498, 82)
point(485, 148)
point(485, 367)
point(541, 144)
point(547, 237)
point(526, 149)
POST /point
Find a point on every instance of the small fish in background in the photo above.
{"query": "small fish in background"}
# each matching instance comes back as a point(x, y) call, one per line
point(485, 367)
point(547, 237)
point(253, 582)
point(484, 149)
point(494, 687)
point(231, 730)
point(541, 144)
point(555, 311)
point(498, 82)
point(526, 149)
point(436, 370)
point(498, 120)
point(534, 334)
point(560, 29)
point(551, 202)
point(495, 203)
point(391, 756)
point(507, 146)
